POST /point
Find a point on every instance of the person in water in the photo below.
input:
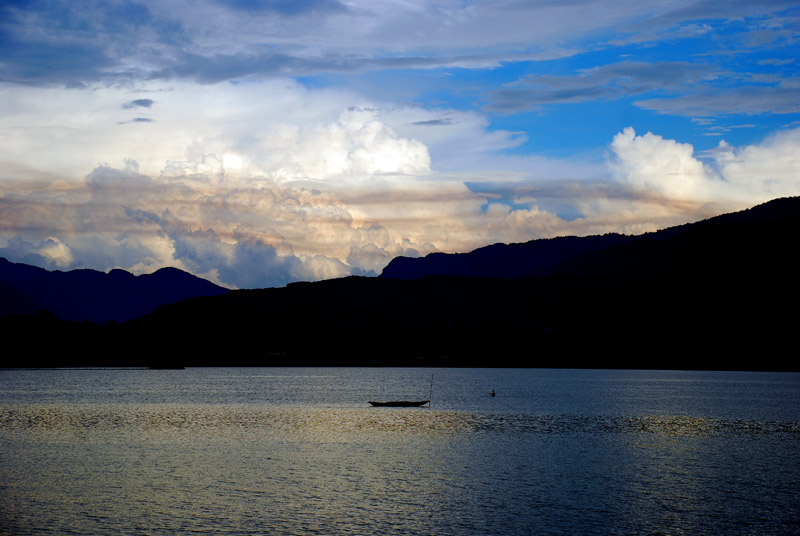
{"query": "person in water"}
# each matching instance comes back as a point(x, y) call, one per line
point(492, 392)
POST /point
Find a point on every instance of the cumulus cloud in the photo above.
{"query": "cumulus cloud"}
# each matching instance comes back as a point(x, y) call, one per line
point(665, 167)
point(736, 177)
point(265, 182)
point(765, 170)
point(248, 232)
point(258, 231)
point(359, 144)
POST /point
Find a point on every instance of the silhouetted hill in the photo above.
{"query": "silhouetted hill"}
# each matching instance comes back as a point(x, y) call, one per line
point(537, 258)
point(717, 294)
point(95, 296)
point(751, 247)
point(736, 237)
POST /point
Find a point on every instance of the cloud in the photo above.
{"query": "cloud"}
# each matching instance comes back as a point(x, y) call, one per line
point(119, 42)
point(359, 144)
point(778, 62)
point(233, 173)
point(78, 44)
point(678, 20)
point(765, 170)
point(258, 231)
point(138, 103)
point(612, 81)
point(254, 231)
point(246, 263)
point(259, 183)
point(682, 88)
point(734, 177)
point(749, 100)
point(50, 252)
point(655, 165)
point(136, 120)
point(285, 7)
point(434, 122)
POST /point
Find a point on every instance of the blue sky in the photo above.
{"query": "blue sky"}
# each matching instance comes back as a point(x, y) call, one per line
point(258, 143)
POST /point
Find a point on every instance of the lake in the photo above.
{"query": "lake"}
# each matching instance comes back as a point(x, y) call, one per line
point(295, 451)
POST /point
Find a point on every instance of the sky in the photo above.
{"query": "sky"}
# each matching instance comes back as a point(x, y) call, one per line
point(256, 143)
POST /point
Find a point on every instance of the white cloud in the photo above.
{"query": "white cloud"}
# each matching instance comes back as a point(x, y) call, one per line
point(652, 164)
point(63, 42)
point(356, 146)
point(765, 170)
point(736, 177)
point(262, 183)
point(57, 252)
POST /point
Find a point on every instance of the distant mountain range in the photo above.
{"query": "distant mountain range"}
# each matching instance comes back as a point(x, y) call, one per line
point(716, 294)
point(95, 296)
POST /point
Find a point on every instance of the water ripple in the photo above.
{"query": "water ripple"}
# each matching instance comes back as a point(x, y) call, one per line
point(338, 423)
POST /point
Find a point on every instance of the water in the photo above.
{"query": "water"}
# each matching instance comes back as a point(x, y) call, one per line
point(298, 451)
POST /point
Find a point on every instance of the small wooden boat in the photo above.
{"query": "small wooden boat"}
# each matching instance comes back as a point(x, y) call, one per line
point(405, 403)
point(400, 403)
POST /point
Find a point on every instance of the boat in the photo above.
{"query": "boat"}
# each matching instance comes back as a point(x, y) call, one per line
point(405, 403)
point(400, 403)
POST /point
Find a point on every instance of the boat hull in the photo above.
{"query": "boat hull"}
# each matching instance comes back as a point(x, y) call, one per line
point(400, 403)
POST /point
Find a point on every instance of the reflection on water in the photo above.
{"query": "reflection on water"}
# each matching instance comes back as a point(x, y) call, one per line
point(107, 462)
point(155, 421)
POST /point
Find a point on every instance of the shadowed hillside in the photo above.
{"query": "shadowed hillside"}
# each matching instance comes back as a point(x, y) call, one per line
point(93, 295)
point(537, 258)
point(717, 294)
point(737, 237)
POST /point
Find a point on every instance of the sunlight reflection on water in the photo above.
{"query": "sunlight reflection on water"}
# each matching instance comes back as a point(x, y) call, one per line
point(113, 465)
point(337, 424)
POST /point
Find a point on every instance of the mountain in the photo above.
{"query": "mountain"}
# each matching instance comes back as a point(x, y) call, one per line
point(95, 296)
point(762, 229)
point(537, 258)
point(716, 294)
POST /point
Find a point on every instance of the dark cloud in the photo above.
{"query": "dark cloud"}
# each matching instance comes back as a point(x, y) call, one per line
point(284, 7)
point(138, 103)
point(653, 28)
point(75, 43)
point(248, 263)
point(434, 122)
point(611, 81)
point(107, 183)
point(72, 64)
point(136, 120)
point(211, 69)
point(80, 43)
point(720, 101)
point(271, 61)
point(255, 264)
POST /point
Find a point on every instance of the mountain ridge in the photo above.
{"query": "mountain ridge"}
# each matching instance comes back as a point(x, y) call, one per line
point(95, 296)
point(716, 294)
point(545, 256)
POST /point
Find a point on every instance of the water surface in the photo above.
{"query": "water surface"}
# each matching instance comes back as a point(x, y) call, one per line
point(299, 451)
